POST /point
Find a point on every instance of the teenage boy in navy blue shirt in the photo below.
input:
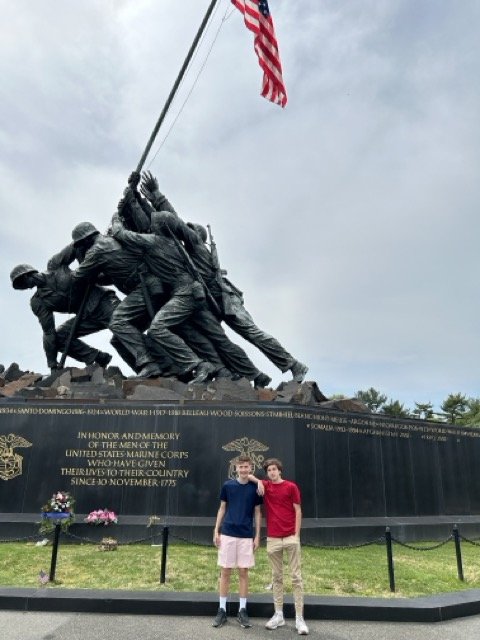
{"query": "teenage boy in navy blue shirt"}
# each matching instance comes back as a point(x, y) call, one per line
point(234, 537)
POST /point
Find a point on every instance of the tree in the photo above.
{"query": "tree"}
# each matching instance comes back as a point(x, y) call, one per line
point(395, 409)
point(472, 416)
point(424, 410)
point(372, 398)
point(454, 407)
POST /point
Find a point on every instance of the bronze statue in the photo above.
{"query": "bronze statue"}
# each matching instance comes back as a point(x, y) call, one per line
point(56, 291)
point(144, 294)
point(186, 301)
point(230, 300)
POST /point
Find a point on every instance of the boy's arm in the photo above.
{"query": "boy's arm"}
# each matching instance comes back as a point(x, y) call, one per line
point(218, 522)
point(259, 483)
point(258, 522)
point(298, 519)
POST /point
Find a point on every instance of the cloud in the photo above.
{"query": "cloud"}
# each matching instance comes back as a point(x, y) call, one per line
point(349, 218)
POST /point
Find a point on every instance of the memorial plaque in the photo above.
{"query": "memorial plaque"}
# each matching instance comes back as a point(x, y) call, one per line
point(171, 460)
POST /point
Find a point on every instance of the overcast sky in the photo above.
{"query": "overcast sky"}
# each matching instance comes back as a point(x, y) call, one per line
point(350, 218)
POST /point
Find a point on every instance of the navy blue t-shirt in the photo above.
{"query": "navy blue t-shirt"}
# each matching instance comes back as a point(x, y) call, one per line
point(241, 501)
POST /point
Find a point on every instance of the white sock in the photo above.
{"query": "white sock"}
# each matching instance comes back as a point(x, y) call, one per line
point(223, 603)
point(243, 603)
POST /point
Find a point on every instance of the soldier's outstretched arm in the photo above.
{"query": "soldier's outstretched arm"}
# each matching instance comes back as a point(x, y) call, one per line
point(130, 239)
point(65, 257)
point(131, 209)
point(150, 190)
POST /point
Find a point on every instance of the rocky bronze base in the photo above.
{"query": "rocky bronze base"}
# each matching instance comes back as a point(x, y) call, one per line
point(93, 383)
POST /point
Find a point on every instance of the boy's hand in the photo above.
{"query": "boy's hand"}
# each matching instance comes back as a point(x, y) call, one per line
point(256, 543)
point(260, 488)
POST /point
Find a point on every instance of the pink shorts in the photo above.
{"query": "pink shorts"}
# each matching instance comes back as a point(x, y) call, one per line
point(235, 553)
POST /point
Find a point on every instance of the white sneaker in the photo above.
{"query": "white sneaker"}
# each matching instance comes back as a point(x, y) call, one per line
point(302, 628)
point(277, 620)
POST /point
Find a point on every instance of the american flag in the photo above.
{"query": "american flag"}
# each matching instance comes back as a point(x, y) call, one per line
point(43, 577)
point(258, 19)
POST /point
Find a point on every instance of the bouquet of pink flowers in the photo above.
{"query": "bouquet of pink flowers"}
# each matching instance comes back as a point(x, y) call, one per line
point(102, 516)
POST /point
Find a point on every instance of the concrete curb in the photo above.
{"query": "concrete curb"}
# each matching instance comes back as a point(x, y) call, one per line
point(423, 609)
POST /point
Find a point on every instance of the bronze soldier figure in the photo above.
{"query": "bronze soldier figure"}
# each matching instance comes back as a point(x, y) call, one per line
point(230, 301)
point(187, 299)
point(56, 291)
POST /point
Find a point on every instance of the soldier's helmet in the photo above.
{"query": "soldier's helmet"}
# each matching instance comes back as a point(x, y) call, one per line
point(18, 272)
point(82, 231)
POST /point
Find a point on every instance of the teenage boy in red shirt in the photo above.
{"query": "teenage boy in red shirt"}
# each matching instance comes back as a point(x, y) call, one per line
point(283, 513)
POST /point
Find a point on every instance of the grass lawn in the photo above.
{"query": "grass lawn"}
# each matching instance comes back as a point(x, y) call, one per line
point(359, 572)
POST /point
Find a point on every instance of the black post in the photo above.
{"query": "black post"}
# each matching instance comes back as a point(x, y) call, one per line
point(53, 564)
point(458, 552)
point(176, 84)
point(391, 572)
point(163, 567)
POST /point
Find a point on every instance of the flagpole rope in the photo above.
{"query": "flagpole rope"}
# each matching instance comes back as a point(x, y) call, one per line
point(197, 49)
point(202, 67)
point(176, 84)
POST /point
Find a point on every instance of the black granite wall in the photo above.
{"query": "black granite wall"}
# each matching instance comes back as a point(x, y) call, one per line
point(171, 460)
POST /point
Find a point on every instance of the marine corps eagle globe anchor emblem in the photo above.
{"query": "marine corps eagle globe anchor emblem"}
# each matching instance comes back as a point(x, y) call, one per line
point(10, 462)
point(245, 447)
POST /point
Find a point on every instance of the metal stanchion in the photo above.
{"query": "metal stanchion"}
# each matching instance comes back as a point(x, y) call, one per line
point(458, 552)
point(53, 564)
point(163, 567)
point(391, 572)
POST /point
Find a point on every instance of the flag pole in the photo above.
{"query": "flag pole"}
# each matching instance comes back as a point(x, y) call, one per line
point(176, 84)
point(149, 146)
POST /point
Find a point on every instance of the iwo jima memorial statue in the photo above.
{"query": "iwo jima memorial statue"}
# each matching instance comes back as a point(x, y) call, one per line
point(160, 444)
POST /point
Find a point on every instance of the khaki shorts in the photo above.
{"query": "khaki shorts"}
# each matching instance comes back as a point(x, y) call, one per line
point(235, 553)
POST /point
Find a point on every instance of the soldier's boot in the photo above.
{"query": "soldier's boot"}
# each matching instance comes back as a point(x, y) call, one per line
point(223, 373)
point(299, 371)
point(261, 381)
point(203, 372)
point(150, 370)
point(103, 359)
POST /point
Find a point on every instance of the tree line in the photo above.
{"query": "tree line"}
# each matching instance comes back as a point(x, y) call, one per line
point(455, 409)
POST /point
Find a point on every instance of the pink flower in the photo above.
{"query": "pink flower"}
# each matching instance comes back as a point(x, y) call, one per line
point(101, 516)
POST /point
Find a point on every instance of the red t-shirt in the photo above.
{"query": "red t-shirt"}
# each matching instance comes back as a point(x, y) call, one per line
point(278, 500)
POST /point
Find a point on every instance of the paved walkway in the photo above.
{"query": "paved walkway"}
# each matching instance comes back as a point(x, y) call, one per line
point(79, 626)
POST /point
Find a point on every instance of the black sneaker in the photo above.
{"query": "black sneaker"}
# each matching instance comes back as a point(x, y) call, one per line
point(243, 619)
point(220, 618)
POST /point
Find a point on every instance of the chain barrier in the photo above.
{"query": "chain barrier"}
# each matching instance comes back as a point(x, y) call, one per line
point(194, 544)
point(120, 544)
point(34, 538)
point(344, 547)
point(415, 548)
point(472, 541)
point(386, 539)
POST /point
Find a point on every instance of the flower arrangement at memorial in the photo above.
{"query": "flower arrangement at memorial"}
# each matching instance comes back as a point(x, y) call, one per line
point(103, 517)
point(59, 509)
